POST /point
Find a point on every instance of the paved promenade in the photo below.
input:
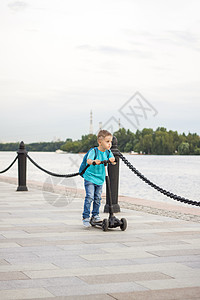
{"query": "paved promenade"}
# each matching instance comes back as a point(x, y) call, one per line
point(46, 253)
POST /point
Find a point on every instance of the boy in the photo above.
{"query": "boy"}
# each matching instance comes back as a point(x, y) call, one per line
point(94, 176)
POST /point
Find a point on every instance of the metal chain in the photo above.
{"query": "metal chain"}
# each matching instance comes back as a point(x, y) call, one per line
point(51, 173)
point(166, 193)
point(10, 165)
point(129, 165)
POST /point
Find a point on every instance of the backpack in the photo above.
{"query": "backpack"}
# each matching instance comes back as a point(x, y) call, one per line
point(84, 165)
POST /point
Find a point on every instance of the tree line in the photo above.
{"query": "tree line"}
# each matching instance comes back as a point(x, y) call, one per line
point(158, 142)
point(42, 146)
point(146, 141)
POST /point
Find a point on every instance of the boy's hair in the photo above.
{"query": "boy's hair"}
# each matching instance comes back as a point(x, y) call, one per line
point(102, 134)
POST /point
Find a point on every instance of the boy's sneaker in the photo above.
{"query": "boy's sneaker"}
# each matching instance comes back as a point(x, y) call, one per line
point(86, 222)
point(97, 218)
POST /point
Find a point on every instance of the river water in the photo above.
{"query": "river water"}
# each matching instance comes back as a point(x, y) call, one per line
point(177, 174)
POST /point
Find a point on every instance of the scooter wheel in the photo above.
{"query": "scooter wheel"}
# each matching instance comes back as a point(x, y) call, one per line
point(123, 225)
point(105, 225)
point(91, 222)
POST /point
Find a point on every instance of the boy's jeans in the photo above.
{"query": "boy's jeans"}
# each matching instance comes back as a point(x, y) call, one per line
point(93, 193)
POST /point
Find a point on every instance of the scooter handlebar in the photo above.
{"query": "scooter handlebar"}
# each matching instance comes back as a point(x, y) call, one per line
point(103, 162)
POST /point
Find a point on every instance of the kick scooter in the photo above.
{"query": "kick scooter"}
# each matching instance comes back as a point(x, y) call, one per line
point(112, 221)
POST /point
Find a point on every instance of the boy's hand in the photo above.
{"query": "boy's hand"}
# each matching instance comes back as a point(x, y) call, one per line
point(112, 160)
point(97, 161)
point(90, 161)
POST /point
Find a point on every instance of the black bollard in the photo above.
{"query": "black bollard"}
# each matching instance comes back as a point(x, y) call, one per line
point(113, 172)
point(22, 168)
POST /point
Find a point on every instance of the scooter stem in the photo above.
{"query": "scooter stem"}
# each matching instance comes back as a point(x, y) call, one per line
point(109, 190)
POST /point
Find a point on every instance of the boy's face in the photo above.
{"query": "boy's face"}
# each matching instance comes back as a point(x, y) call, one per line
point(105, 143)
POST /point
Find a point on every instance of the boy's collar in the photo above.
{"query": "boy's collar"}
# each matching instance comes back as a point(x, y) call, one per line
point(100, 150)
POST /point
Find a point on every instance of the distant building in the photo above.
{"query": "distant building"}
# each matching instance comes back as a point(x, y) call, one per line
point(91, 123)
point(119, 123)
point(100, 125)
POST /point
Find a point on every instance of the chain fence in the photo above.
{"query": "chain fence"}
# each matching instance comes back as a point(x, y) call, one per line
point(51, 173)
point(1, 172)
point(129, 165)
point(153, 185)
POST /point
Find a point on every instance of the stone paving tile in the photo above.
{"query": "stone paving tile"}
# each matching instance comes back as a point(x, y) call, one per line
point(126, 277)
point(35, 250)
point(133, 249)
point(121, 255)
point(13, 233)
point(106, 239)
point(75, 263)
point(9, 245)
point(46, 229)
point(10, 228)
point(95, 289)
point(78, 262)
point(184, 252)
point(169, 283)
point(88, 247)
point(66, 272)
point(25, 294)
point(192, 241)
point(193, 265)
point(82, 297)
point(3, 262)
point(167, 259)
point(69, 253)
point(59, 261)
point(166, 246)
point(187, 229)
point(165, 294)
point(12, 275)
point(17, 256)
point(106, 263)
point(183, 247)
point(41, 283)
point(166, 268)
point(68, 235)
point(30, 242)
point(164, 243)
point(178, 273)
point(182, 234)
point(28, 266)
point(170, 224)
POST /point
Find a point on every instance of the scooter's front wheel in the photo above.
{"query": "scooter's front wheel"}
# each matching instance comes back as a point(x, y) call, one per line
point(105, 225)
point(123, 224)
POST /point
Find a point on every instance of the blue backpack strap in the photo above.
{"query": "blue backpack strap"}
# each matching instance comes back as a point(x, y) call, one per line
point(96, 152)
point(87, 166)
point(108, 153)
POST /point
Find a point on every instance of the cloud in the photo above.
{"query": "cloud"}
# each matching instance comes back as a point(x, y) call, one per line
point(168, 37)
point(112, 50)
point(17, 5)
point(183, 38)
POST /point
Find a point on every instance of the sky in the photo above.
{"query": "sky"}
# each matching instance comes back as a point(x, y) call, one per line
point(133, 63)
